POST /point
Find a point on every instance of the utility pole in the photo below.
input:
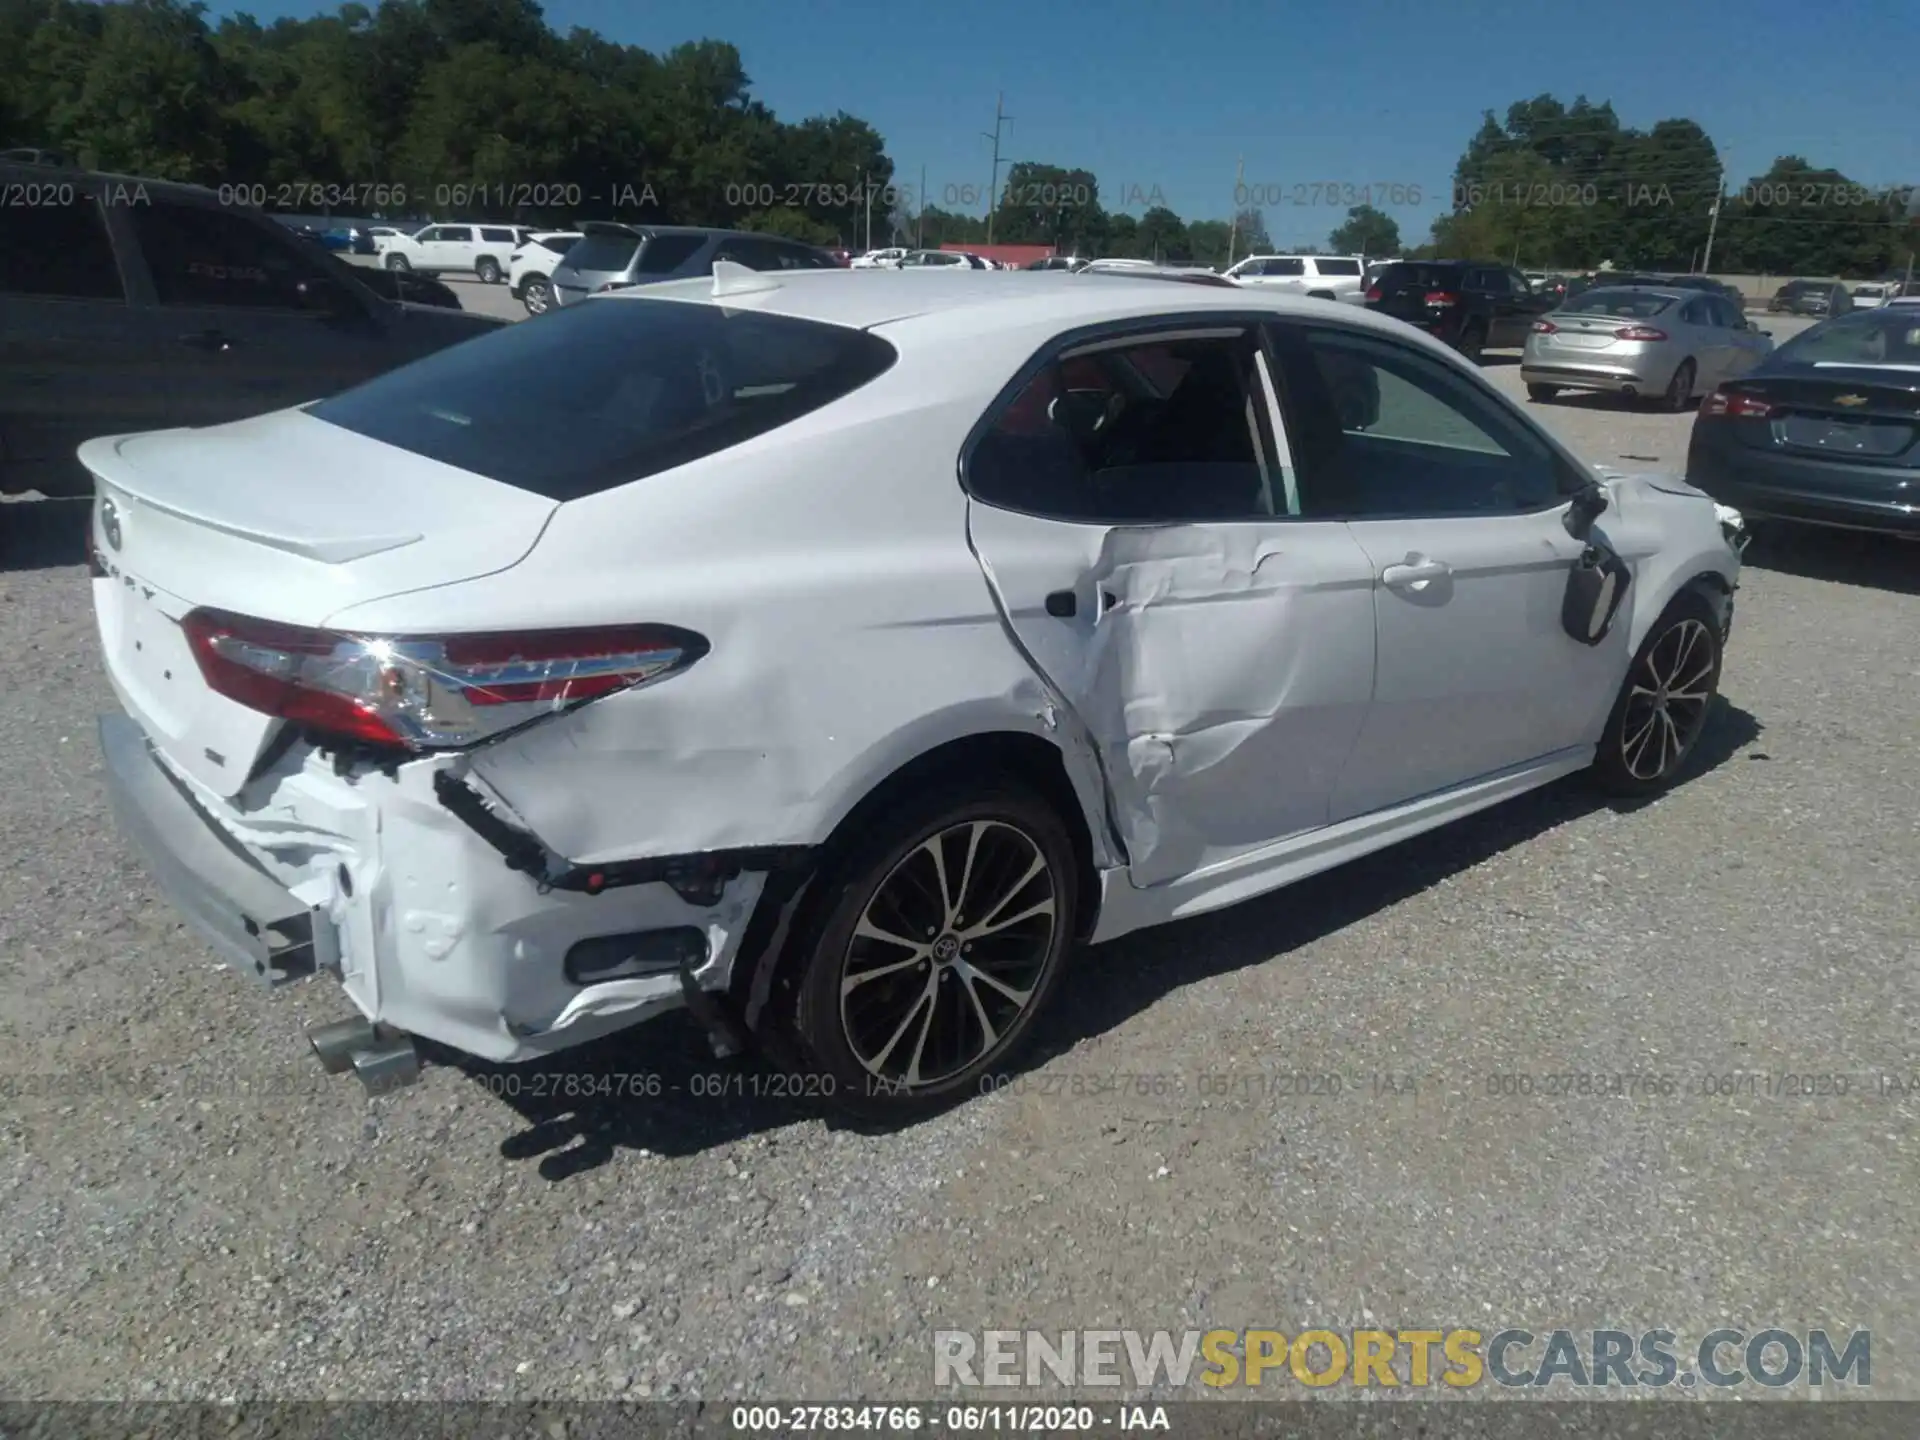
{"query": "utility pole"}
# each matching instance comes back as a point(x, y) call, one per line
point(867, 191)
point(1713, 224)
point(1239, 189)
point(1000, 117)
point(920, 219)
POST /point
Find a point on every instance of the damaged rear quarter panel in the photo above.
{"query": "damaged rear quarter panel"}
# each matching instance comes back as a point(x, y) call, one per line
point(851, 631)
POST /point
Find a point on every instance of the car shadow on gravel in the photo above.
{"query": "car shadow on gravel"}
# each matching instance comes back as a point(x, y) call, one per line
point(1136, 971)
point(43, 534)
point(658, 1089)
point(1843, 557)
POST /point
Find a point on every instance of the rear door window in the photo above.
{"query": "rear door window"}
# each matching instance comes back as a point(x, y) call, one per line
point(202, 256)
point(1149, 431)
point(596, 396)
point(1285, 265)
point(60, 251)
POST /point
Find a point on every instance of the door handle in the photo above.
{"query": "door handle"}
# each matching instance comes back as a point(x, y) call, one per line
point(1414, 573)
point(213, 340)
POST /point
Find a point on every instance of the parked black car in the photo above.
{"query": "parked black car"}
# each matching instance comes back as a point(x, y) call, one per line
point(1811, 297)
point(1707, 284)
point(1825, 431)
point(130, 304)
point(1469, 304)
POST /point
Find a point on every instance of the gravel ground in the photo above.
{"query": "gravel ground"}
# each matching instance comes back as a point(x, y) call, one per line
point(189, 1210)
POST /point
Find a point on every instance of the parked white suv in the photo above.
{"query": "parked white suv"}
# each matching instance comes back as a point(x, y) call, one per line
point(652, 656)
point(888, 259)
point(482, 250)
point(530, 268)
point(1327, 277)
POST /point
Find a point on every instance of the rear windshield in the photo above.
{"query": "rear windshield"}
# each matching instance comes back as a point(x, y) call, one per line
point(1337, 267)
point(1629, 304)
point(608, 252)
point(559, 244)
point(666, 253)
point(593, 396)
point(1873, 337)
point(1408, 275)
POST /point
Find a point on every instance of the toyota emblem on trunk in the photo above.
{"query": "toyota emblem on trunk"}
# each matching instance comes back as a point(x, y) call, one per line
point(110, 522)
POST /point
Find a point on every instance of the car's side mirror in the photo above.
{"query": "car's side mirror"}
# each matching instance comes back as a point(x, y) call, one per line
point(1589, 504)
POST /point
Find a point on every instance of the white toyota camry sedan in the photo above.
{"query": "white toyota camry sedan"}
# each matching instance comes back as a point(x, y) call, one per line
point(835, 654)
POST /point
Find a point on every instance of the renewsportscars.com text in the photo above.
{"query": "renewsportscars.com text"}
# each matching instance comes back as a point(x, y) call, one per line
point(1458, 1358)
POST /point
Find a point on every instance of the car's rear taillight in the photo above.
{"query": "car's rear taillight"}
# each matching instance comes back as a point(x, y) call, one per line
point(1374, 293)
point(1440, 299)
point(425, 692)
point(1735, 405)
point(1639, 332)
point(1545, 327)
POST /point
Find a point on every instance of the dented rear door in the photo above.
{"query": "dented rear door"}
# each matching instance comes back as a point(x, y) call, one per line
point(1224, 670)
point(1135, 511)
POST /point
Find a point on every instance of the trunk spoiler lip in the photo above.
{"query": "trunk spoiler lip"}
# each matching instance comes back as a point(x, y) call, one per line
point(103, 458)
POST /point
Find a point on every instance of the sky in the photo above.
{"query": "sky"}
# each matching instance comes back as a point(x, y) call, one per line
point(1353, 99)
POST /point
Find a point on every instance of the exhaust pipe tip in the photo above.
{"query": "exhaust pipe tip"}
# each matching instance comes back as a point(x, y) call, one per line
point(334, 1043)
point(390, 1063)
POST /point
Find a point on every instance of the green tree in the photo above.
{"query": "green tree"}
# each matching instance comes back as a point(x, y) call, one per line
point(1801, 219)
point(1049, 205)
point(1163, 236)
point(1366, 232)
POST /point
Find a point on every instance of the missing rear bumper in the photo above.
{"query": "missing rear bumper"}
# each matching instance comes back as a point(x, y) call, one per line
point(698, 879)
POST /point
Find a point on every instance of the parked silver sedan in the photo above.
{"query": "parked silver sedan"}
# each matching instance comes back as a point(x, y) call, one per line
point(1637, 340)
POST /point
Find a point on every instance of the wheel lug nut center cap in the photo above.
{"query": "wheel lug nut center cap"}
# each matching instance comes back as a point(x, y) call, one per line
point(947, 948)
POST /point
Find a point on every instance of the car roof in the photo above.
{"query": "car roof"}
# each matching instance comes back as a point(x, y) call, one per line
point(936, 308)
point(1664, 291)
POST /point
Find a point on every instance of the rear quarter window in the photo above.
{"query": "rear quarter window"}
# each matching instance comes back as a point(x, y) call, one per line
point(664, 254)
point(601, 394)
point(604, 252)
point(1337, 267)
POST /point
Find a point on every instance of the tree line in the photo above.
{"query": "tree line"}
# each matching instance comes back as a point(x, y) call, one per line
point(452, 109)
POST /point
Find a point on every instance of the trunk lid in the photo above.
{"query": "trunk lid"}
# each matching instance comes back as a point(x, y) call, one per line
point(282, 517)
point(1861, 416)
point(1586, 332)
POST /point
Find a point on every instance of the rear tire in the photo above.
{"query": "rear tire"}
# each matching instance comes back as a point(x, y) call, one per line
point(536, 294)
point(488, 269)
point(1679, 390)
point(1473, 340)
point(398, 262)
point(1541, 394)
point(977, 886)
point(1664, 703)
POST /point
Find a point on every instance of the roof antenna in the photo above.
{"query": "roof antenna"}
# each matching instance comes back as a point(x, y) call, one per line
point(731, 278)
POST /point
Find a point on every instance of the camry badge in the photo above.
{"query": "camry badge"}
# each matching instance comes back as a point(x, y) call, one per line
point(110, 522)
point(1849, 400)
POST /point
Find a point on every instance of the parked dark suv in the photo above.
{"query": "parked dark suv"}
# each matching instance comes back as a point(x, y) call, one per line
point(1823, 298)
point(612, 256)
point(131, 305)
point(1471, 305)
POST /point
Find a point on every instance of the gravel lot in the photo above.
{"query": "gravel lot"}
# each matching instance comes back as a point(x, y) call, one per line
point(194, 1211)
